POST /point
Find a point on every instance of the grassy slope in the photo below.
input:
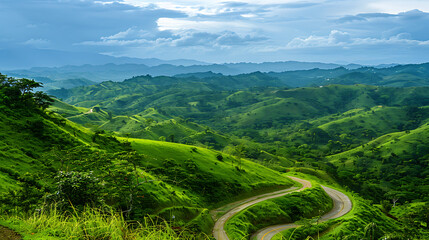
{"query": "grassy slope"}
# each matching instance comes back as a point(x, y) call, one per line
point(397, 143)
point(252, 176)
point(393, 162)
point(149, 124)
point(19, 157)
point(351, 224)
point(378, 120)
point(41, 133)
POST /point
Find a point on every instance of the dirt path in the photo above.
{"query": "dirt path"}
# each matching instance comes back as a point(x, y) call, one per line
point(342, 205)
point(218, 230)
point(7, 234)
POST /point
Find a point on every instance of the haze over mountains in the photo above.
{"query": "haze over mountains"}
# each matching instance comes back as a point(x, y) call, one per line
point(290, 73)
point(106, 68)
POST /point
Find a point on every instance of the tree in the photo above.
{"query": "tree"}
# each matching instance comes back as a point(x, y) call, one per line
point(19, 93)
point(372, 232)
point(386, 206)
point(42, 100)
point(423, 214)
point(77, 188)
point(241, 152)
point(170, 138)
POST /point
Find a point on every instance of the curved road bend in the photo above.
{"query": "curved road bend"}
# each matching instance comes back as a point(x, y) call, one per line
point(342, 205)
point(218, 230)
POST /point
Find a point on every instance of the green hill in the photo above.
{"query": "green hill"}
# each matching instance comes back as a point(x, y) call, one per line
point(391, 166)
point(63, 163)
point(149, 124)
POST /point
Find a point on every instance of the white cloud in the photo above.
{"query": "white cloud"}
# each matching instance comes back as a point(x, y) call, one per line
point(186, 38)
point(242, 30)
point(130, 33)
point(39, 43)
point(335, 38)
point(398, 6)
point(224, 39)
point(178, 25)
point(343, 39)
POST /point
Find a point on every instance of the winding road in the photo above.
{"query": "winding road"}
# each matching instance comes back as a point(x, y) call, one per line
point(218, 230)
point(342, 205)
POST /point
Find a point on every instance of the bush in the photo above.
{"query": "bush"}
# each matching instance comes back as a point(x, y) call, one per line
point(77, 188)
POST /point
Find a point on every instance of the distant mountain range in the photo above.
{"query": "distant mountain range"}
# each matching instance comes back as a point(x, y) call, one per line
point(67, 71)
point(25, 58)
point(119, 72)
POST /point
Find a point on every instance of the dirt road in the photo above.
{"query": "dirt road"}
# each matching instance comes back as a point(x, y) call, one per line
point(218, 230)
point(342, 205)
point(8, 234)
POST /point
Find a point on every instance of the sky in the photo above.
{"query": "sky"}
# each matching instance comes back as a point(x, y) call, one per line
point(335, 31)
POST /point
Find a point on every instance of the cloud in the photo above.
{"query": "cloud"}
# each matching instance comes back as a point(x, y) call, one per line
point(226, 38)
point(136, 37)
point(239, 30)
point(39, 43)
point(136, 33)
point(363, 17)
point(382, 25)
point(335, 38)
point(177, 25)
point(65, 23)
point(343, 39)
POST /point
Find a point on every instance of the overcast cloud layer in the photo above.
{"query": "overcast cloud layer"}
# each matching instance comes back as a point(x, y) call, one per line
point(341, 31)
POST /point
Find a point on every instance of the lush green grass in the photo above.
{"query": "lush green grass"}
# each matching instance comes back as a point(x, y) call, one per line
point(175, 176)
point(225, 178)
point(92, 224)
point(391, 165)
point(149, 124)
point(25, 138)
point(66, 110)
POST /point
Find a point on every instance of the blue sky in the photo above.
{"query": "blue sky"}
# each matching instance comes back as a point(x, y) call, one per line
point(340, 31)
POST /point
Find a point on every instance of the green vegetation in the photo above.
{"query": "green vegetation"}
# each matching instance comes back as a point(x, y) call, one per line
point(64, 164)
point(365, 221)
point(215, 179)
point(173, 148)
point(287, 209)
point(92, 224)
point(393, 166)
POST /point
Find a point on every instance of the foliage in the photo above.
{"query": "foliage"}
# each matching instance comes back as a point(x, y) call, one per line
point(17, 93)
point(371, 139)
point(77, 188)
point(92, 223)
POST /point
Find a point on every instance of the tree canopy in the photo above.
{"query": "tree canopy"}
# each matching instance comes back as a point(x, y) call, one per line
point(19, 93)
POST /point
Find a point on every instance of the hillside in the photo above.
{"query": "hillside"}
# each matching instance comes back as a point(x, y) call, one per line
point(391, 166)
point(411, 75)
point(58, 154)
point(255, 108)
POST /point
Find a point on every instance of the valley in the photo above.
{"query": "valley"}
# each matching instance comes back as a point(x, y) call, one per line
point(198, 156)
